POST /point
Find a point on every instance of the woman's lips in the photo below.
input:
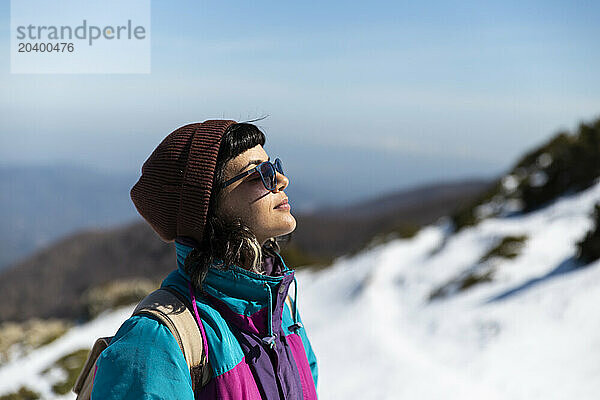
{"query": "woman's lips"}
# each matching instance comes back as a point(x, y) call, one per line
point(283, 206)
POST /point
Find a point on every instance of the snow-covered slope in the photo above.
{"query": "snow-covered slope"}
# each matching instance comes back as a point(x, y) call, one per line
point(533, 332)
point(28, 371)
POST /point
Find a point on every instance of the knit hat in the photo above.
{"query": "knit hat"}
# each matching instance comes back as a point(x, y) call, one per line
point(173, 192)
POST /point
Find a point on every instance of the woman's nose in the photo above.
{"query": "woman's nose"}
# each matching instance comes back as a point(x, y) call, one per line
point(282, 182)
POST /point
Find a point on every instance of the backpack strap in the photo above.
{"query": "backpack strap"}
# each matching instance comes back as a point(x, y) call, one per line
point(288, 300)
point(171, 308)
point(297, 324)
point(85, 381)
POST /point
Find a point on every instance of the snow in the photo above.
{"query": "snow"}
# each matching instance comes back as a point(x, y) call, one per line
point(510, 183)
point(386, 341)
point(531, 333)
point(544, 160)
point(27, 371)
point(538, 179)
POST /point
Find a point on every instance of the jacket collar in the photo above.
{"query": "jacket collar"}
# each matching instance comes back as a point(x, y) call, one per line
point(251, 301)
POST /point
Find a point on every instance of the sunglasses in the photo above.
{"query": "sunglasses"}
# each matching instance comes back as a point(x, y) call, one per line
point(267, 171)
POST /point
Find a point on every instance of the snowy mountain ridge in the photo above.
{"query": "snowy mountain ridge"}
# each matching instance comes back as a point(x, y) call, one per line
point(532, 332)
point(528, 330)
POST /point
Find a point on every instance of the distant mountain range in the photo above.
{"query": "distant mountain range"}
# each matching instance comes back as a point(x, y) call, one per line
point(39, 204)
point(61, 273)
point(331, 232)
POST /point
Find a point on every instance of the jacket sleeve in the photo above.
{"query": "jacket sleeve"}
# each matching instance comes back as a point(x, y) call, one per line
point(143, 361)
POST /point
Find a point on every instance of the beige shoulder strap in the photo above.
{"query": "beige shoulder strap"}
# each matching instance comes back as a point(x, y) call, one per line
point(288, 300)
point(169, 309)
point(85, 381)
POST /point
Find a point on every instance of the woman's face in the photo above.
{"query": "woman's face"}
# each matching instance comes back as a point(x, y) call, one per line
point(248, 199)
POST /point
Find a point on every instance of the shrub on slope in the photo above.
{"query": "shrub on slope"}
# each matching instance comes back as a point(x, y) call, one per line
point(568, 163)
point(589, 246)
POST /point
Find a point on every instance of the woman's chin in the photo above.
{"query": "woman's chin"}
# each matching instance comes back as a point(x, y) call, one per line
point(285, 225)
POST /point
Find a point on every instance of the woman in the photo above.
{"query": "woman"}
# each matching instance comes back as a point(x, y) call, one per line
point(211, 188)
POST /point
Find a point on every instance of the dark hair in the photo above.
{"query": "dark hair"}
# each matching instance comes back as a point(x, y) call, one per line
point(229, 241)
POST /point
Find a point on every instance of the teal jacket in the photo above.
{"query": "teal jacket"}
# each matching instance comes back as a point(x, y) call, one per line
point(242, 312)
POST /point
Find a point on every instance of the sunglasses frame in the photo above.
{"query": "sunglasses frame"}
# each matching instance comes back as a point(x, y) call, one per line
point(276, 166)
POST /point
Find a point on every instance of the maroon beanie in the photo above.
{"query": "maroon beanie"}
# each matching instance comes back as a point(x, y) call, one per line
point(174, 190)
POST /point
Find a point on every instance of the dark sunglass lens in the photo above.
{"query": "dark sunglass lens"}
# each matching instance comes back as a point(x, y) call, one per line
point(279, 166)
point(268, 174)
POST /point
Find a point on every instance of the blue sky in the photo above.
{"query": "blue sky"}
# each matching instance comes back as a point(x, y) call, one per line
point(429, 90)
